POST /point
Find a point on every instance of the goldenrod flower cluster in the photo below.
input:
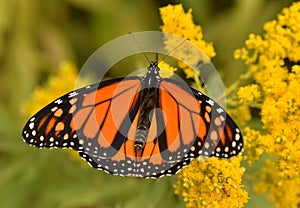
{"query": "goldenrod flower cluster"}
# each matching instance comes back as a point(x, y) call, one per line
point(212, 183)
point(249, 93)
point(177, 21)
point(273, 59)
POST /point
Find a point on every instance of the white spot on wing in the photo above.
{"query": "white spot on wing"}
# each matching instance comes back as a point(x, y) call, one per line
point(58, 101)
point(226, 149)
point(220, 110)
point(210, 102)
point(237, 137)
point(31, 125)
point(73, 94)
point(54, 109)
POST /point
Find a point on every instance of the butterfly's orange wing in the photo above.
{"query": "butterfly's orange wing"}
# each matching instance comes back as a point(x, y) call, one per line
point(83, 119)
point(197, 123)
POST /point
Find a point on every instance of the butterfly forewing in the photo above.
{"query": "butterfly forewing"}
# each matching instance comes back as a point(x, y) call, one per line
point(76, 120)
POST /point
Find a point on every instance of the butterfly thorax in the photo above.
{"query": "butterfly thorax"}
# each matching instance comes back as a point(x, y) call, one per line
point(147, 103)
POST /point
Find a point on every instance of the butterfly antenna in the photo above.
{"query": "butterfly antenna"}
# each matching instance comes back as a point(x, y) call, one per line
point(141, 49)
point(173, 50)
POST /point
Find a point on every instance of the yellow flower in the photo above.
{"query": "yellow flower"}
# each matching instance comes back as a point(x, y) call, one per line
point(272, 80)
point(255, 145)
point(249, 93)
point(166, 69)
point(283, 192)
point(296, 70)
point(212, 183)
point(273, 60)
point(177, 22)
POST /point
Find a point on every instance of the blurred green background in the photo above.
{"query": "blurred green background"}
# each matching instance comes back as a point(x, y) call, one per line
point(35, 36)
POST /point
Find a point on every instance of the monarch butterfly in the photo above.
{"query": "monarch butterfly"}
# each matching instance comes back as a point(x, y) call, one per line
point(145, 126)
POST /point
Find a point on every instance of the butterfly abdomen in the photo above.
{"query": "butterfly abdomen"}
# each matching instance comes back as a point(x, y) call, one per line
point(148, 101)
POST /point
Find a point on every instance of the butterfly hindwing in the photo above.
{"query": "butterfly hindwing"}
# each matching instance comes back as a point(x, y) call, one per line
point(223, 138)
point(203, 125)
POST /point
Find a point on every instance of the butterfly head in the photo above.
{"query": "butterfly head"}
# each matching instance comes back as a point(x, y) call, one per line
point(152, 77)
point(154, 67)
